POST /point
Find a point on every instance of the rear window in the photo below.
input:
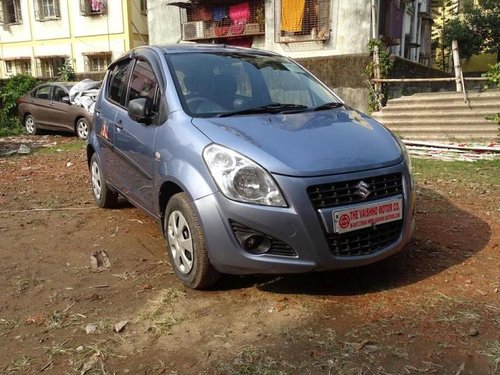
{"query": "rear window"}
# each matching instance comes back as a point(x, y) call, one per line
point(43, 92)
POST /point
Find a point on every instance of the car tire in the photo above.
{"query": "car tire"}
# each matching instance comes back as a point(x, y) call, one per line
point(104, 197)
point(30, 125)
point(82, 128)
point(186, 246)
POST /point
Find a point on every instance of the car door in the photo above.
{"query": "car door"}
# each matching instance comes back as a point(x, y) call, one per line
point(134, 141)
point(107, 114)
point(62, 115)
point(40, 108)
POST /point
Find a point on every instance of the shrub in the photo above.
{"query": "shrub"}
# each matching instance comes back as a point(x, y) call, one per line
point(14, 88)
point(493, 76)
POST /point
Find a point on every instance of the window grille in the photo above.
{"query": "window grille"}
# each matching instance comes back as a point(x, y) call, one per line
point(19, 65)
point(10, 12)
point(97, 61)
point(46, 10)
point(49, 66)
point(219, 21)
point(302, 20)
point(93, 7)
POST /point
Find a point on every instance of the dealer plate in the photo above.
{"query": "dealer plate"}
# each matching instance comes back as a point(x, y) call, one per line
point(366, 215)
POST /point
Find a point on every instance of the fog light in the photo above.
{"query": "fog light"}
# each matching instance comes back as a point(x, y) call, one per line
point(255, 243)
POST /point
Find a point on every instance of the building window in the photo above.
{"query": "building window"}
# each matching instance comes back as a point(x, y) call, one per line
point(46, 10)
point(302, 20)
point(97, 61)
point(9, 67)
point(144, 7)
point(49, 66)
point(218, 21)
point(93, 7)
point(18, 66)
point(10, 12)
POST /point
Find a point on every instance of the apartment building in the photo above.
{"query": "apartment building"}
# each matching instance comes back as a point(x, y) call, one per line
point(38, 36)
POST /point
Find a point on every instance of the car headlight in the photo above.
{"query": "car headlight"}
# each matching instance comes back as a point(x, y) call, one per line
point(241, 179)
point(404, 150)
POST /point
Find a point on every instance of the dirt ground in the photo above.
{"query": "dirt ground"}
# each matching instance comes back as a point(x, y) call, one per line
point(433, 308)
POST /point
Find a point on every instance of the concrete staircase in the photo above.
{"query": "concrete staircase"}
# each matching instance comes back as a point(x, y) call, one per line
point(442, 116)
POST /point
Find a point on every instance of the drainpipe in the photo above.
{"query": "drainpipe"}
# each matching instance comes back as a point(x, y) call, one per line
point(414, 29)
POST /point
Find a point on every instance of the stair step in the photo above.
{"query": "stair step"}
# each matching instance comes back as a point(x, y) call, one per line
point(431, 96)
point(457, 129)
point(432, 114)
point(436, 122)
point(483, 107)
point(444, 102)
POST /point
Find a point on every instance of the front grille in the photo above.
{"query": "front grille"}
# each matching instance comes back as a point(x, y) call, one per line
point(278, 247)
point(365, 241)
point(345, 192)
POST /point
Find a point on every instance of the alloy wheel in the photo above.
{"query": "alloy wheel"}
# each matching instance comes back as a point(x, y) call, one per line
point(180, 242)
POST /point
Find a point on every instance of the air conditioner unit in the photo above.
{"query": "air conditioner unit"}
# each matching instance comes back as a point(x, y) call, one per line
point(193, 30)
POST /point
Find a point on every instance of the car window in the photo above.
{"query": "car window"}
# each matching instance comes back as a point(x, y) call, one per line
point(143, 83)
point(43, 92)
point(58, 94)
point(117, 82)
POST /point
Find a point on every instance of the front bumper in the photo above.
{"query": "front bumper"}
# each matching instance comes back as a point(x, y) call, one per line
point(300, 226)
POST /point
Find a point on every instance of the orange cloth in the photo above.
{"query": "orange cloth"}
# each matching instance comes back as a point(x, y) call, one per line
point(292, 12)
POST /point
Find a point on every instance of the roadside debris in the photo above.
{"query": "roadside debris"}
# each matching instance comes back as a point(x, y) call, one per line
point(90, 328)
point(453, 151)
point(22, 150)
point(120, 326)
point(99, 260)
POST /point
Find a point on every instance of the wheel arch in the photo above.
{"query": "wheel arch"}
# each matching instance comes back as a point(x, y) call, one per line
point(167, 190)
point(90, 152)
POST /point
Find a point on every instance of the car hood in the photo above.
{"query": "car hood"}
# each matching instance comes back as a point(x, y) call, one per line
point(308, 143)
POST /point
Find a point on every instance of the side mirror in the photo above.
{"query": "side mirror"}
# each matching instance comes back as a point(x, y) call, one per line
point(140, 110)
point(65, 99)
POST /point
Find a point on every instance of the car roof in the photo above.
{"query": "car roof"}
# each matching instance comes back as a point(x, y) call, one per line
point(207, 48)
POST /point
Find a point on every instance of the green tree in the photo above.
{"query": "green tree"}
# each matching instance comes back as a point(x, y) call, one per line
point(477, 28)
point(443, 12)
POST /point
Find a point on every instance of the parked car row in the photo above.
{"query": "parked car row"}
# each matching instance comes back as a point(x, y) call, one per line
point(48, 106)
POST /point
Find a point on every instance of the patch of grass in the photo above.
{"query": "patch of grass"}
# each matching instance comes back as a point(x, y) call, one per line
point(484, 171)
point(74, 145)
point(7, 325)
point(19, 364)
point(493, 351)
point(162, 317)
point(252, 361)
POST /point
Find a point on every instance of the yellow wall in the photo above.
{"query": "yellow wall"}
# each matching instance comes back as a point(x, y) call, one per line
point(73, 34)
point(479, 63)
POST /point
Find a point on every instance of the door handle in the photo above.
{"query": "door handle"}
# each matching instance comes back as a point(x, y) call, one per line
point(119, 124)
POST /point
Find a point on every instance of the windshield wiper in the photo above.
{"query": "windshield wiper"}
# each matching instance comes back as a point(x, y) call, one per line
point(328, 106)
point(269, 108)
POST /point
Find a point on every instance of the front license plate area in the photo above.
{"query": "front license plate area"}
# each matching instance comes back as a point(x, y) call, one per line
point(366, 215)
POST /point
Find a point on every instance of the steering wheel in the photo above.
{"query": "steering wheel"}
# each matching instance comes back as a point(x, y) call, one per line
point(199, 104)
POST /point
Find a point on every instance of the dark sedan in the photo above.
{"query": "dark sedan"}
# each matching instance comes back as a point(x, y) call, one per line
point(48, 107)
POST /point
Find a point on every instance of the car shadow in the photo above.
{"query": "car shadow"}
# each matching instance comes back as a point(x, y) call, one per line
point(445, 235)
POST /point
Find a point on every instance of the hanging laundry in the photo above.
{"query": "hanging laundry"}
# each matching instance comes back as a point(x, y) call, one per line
point(96, 5)
point(239, 15)
point(222, 26)
point(292, 13)
point(219, 13)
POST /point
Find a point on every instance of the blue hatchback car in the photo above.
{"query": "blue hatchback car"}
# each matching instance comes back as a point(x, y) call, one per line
point(248, 162)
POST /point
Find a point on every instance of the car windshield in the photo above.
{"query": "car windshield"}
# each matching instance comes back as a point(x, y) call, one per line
point(220, 84)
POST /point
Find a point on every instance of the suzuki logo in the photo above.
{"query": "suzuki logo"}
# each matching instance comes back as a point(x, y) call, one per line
point(363, 189)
